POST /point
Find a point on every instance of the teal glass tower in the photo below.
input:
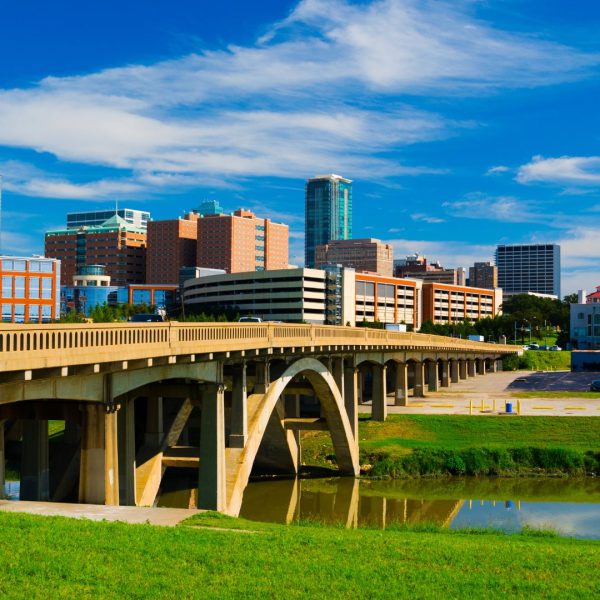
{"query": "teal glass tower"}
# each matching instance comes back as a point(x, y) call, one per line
point(328, 213)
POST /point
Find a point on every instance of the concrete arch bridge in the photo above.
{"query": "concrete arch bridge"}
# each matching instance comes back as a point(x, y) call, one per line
point(142, 400)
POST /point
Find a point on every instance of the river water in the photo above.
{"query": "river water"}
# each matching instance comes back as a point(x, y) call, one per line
point(568, 506)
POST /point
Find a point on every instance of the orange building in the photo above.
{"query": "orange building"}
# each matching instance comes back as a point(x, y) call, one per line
point(30, 289)
point(387, 299)
point(241, 242)
point(117, 245)
point(171, 245)
point(443, 303)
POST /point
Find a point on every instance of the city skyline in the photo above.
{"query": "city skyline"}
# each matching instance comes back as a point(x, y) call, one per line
point(455, 142)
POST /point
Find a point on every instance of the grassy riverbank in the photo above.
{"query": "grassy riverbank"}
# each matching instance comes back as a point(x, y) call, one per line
point(217, 557)
point(538, 360)
point(425, 445)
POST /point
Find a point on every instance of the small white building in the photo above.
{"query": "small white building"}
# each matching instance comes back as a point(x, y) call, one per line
point(585, 321)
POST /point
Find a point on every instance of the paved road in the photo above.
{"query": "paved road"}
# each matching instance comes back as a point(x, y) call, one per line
point(126, 514)
point(477, 395)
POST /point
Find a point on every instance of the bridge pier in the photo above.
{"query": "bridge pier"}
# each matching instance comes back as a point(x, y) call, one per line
point(419, 382)
point(434, 381)
point(481, 366)
point(2, 459)
point(99, 465)
point(239, 407)
point(454, 371)
point(351, 397)
point(379, 400)
point(445, 368)
point(463, 369)
point(401, 385)
point(471, 367)
point(154, 421)
point(126, 448)
point(262, 378)
point(212, 472)
point(35, 468)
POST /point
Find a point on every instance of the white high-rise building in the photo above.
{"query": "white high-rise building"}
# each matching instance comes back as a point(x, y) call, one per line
point(524, 268)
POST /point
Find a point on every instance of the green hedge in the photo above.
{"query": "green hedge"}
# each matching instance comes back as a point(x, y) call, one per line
point(424, 462)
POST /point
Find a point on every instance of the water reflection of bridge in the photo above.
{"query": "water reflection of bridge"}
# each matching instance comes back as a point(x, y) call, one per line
point(219, 398)
point(340, 501)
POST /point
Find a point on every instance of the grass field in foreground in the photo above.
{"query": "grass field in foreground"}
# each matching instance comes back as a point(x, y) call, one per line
point(43, 557)
point(400, 434)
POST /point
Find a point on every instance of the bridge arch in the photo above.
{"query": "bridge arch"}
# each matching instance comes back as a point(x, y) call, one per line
point(332, 403)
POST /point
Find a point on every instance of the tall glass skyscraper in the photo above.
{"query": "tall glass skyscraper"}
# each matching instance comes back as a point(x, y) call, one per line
point(328, 213)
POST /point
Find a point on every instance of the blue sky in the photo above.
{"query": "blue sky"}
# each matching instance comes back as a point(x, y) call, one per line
point(463, 124)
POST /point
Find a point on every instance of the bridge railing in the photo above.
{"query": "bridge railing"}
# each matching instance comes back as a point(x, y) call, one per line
point(65, 344)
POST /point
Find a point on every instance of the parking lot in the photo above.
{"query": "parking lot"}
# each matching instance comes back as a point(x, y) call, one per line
point(489, 394)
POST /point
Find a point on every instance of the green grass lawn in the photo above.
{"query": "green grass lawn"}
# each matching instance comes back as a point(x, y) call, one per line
point(400, 434)
point(538, 360)
point(482, 445)
point(217, 557)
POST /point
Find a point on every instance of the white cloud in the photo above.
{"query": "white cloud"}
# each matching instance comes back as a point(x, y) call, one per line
point(566, 170)
point(498, 169)
point(325, 89)
point(425, 218)
point(506, 209)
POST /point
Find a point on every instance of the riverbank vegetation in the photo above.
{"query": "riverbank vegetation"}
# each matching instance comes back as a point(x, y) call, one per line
point(212, 556)
point(538, 360)
point(438, 445)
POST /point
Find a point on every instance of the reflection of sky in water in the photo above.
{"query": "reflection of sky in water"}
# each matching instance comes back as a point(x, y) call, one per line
point(567, 518)
point(11, 490)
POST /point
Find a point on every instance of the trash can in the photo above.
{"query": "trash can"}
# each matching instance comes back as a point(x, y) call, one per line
point(509, 407)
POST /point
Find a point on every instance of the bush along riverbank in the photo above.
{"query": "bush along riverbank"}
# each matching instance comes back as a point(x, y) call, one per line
point(440, 445)
point(507, 462)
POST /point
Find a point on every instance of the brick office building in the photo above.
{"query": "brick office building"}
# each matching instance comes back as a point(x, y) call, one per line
point(364, 254)
point(171, 245)
point(117, 245)
point(241, 242)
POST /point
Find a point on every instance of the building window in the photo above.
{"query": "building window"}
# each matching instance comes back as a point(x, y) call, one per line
point(46, 313)
point(19, 287)
point(34, 313)
point(19, 265)
point(19, 313)
point(46, 288)
point(6, 286)
point(7, 313)
point(34, 288)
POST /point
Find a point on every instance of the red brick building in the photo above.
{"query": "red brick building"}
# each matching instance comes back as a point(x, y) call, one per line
point(117, 245)
point(241, 242)
point(171, 245)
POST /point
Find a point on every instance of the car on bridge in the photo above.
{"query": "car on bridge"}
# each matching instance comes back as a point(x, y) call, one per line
point(146, 318)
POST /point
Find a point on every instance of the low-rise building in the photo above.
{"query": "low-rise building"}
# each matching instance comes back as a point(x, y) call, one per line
point(387, 300)
point(30, 289)
point(585, 321)
point(292, 295)
point(444, 303)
